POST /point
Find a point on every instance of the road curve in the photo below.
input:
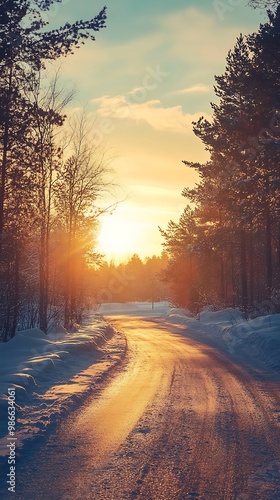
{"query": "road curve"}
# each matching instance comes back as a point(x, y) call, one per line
point(179, 421)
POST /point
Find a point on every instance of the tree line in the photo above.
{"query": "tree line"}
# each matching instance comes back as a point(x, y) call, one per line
point(135, 280)
point(48, 187)
point(225, 249)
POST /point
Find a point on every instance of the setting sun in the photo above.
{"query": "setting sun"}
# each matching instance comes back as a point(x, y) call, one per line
point(118, 238)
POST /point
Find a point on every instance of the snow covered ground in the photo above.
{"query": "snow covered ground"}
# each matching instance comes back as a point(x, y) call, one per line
point(135, 308)
point(226, 329)
point(258, 338)
point(51, 374)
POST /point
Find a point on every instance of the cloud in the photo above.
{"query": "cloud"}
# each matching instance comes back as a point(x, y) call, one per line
point(151, 112)
point(194, 89)
point(197, 37)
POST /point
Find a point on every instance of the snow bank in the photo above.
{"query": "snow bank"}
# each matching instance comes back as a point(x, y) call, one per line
point(258, 338)
point(50, 373)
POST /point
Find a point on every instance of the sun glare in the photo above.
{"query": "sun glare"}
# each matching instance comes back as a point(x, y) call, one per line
point(118, 238)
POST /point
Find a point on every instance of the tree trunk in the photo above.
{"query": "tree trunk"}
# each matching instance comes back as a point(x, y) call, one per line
point(67, 308)
point(5, 157)
point(16, 293)
point(268, 252)
point(232, 276)
point(243, 268)
point(222, 278)
point(278, 277)
point(43, 298)
point(45, 207)
point(251, 267)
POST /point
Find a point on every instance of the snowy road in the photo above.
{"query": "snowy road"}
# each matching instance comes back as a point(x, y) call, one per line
point(178, 421)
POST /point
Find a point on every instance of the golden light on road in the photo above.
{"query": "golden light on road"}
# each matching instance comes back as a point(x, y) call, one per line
point(118, 238)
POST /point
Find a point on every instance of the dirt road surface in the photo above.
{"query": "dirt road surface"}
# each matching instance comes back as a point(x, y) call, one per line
point(178, 421)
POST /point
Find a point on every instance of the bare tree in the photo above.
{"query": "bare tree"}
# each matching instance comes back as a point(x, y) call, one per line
point(48, 105)
point(84, 177)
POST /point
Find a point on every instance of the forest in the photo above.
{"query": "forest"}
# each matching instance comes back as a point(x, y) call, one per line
point(224, 250)
point(52, 172)
point(134, 280)
point(226, 245)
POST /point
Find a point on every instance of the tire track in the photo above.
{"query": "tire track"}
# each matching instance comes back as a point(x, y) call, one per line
point(179, 422)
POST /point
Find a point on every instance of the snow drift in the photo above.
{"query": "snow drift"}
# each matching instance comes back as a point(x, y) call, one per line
point(259, 337)
point(51, 373)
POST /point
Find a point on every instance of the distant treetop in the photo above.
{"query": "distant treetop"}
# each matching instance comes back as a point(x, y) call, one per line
point(264, 4)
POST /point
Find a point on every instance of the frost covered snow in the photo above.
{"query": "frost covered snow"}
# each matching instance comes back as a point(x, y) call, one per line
point(52, 373)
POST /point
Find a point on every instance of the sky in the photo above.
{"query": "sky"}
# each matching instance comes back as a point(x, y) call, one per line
point(146, 78)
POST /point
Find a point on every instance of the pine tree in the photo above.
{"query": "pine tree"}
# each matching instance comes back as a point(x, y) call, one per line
point(263, 4)
point(237, 199)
